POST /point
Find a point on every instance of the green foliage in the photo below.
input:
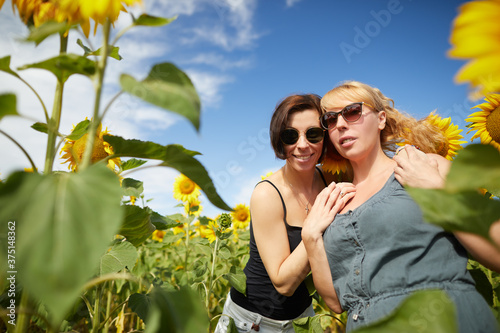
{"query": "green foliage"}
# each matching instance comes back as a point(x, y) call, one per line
point(167, 87)
point(422, 311)
point(64, 223)
point(65, 65)
point(8, 104)
point(475, 167)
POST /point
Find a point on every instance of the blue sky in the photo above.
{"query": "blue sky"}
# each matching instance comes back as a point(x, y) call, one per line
point(243, 57)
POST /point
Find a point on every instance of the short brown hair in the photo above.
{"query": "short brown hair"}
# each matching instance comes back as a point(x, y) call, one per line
point(282, 112)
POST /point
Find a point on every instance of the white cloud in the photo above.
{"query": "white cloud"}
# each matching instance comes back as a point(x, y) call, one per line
point(291, 3)
point(217, 61)
point(209, 86)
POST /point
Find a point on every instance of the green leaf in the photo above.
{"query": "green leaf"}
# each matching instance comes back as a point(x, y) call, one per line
point(132, 187)
point(483, 284)
point(237, 278)
point(140, 304)
point(308, 325)
point(169, 88)
point(475, 166)
point(137, 226)
point(174, 156)
point(79, 130)
point(121, 255)
point(64, 223)
point(423, 311)
point(112, 51)
point(153, 21)
point(132, 164)
point(8, 104)
point(466, 211)
point(65, 65)
point(163, 222)
point(47, 29)
point(40, 127)
point(5, 66)
point(176, 311)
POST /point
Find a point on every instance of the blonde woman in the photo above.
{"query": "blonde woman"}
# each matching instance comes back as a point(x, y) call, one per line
point(378, 249)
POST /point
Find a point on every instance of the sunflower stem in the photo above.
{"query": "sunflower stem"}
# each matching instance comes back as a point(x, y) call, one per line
point(210, 281)
point(55, 120)
point(94, 124)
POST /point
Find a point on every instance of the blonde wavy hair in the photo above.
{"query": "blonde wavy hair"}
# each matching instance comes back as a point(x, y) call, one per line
point(399, 126)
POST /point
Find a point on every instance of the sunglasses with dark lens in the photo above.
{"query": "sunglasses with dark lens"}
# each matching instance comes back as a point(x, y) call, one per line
point(350, 113)
point(290, 136)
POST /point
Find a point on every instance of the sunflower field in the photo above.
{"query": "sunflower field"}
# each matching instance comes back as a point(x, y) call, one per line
point(84, 252)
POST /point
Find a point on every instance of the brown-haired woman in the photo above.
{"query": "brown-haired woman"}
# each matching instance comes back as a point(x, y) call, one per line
point(276, 293)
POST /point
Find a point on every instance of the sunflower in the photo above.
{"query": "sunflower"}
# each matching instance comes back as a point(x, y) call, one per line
point(102, 10)
point(193, 207)
point(450, 132)
point(241, 216)
point(73, 151)
point(185, 189)
point(486, 122)
point(1, 3)
point(475, 36)
point(210, 232)
point(158, 235)
point(334, 163)
point(266, 175)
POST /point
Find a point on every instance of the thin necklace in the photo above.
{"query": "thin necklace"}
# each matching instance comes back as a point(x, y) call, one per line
point(296, 194)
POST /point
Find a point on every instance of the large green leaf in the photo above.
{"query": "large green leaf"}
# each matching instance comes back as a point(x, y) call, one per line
point(475, 166)
point(424, 311)
point(121, 255)
point(137, 226)
point(65, 65)
point(8, 105)
point(132, 187)
point(174, 156)
point(65, 222)
point(166, 87)
point(465, 211)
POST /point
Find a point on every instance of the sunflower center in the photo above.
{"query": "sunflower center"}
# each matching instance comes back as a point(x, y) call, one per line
point(187, 186)
point(98, 153)
point(493, 124)
point(242, 215)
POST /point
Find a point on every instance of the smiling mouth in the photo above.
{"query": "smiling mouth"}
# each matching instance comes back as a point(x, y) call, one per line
point(346, 140)
point(302, 157)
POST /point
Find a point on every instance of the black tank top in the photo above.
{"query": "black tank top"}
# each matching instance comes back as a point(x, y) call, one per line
point(261, 296)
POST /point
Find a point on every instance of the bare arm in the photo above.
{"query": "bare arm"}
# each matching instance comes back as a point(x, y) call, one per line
point(429, 171)
point(328, 203)
point(286, 269)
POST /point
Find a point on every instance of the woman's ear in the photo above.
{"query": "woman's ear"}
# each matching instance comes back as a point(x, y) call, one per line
point(381, 118)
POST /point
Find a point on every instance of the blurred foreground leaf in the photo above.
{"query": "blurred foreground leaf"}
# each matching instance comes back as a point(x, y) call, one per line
point(175, 311)
point(476, 166)
point(64, 223)
point(169, 88)
point(137, 226)
point(424, 311)
point(8, 105)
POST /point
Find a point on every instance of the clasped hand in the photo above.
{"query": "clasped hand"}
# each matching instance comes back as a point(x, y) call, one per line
point(328, 203)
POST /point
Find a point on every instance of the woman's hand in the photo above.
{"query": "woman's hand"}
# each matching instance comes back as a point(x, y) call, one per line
point(328, 203)
point(417, 169)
